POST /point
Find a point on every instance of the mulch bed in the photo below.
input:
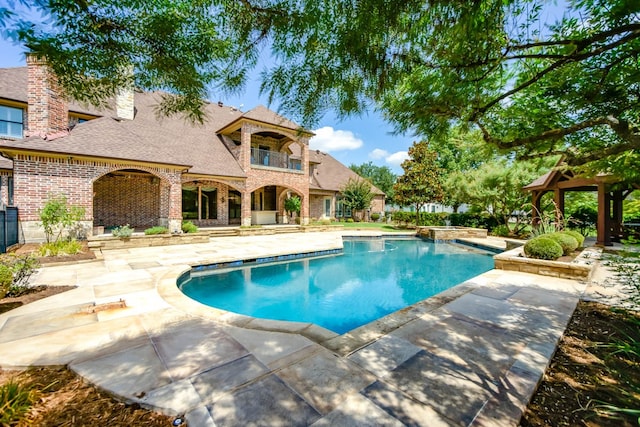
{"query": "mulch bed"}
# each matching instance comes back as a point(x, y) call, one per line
point(85, 254)
point(585, 377)
point(65, 400)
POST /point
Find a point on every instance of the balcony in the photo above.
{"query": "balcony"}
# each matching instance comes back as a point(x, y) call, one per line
point(274, 159)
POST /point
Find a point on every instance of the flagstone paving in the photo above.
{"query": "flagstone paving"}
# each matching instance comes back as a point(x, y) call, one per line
point(470, 356)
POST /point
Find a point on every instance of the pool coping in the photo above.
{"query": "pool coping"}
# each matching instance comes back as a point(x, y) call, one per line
point(342, 344)
point(483, 301)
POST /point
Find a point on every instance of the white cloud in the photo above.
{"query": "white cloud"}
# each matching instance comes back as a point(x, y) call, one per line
point(328, 139)
point(378, 153)
point(397, 158)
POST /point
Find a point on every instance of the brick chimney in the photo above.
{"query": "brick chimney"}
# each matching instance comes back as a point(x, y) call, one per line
point(125, 107)
point(124, 104)
point(47, 110)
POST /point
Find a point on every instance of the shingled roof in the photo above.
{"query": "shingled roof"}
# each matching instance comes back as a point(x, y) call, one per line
point(331, 175)
point(147, 138)
point(263, 114)
point(13, 86)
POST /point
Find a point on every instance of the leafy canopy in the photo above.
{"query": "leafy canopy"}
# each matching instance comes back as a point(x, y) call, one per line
point(533, 85)
point(380, 176)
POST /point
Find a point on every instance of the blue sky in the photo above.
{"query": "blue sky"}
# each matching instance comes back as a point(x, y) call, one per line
point(355, 140)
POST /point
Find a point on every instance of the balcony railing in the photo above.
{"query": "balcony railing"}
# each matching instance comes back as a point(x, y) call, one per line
point(274, 159)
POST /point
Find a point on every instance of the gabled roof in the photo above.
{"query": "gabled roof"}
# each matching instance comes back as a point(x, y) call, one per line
point(331, 175)
point(264, 115)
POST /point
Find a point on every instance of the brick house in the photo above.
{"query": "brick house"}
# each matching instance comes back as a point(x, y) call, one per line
point(125, 165)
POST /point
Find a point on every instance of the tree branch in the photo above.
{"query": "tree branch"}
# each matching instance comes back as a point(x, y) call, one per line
point(544, 136)
point(573, 57)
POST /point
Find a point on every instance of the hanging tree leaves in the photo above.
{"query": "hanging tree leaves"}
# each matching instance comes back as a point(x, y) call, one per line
point(537, 79)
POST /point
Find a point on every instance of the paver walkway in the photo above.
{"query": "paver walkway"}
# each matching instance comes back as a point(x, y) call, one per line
point(470, 356)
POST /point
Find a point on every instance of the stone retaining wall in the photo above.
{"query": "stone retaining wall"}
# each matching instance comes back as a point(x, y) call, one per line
point(451, 233)
point(580, 268)
point(97, 243)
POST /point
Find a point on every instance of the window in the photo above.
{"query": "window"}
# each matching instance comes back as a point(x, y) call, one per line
point(342, 211)
point(235, 204)
point(204, 207)
point(10, 122)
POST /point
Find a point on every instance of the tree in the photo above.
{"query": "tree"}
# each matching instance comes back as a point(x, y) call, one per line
point(292, 204)
point(420, 184)
point(460, 152)
point(532, 86)
point(182, 47)
point(495, 189)
point(380, 176)
point(357, 195)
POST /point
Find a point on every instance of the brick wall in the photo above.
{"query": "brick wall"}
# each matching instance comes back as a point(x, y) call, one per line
point(223, 207)
point(316, 207)
point(36, 177)
point(47, 110)
point(129, 199)
point(377, 204)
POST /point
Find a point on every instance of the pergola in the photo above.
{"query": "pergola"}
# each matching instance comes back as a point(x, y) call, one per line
point(611, 193)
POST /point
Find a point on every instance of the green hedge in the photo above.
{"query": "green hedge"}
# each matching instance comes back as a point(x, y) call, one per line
point(440, 218)
point(576, 235)
point(567, 242)
point(543, 247)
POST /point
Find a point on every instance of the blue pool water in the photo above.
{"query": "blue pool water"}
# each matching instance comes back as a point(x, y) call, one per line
point(372, 278)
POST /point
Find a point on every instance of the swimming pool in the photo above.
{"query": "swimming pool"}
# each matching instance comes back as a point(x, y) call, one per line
point(368, 280)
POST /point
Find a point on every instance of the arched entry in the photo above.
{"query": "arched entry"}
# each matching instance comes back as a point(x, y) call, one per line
point(128, 196)
point(264, 205)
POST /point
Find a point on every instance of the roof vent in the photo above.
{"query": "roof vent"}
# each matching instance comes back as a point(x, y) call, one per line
point(220, 104)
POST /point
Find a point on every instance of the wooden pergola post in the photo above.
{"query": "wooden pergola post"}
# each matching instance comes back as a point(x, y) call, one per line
point(618, 197)
point(558, 198)
point(604, 216)
point(536, 196)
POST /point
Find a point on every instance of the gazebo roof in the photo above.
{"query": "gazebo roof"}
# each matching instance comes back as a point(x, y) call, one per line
point(559, 178)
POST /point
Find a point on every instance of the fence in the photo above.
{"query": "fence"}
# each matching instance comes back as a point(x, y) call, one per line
point(8, 228)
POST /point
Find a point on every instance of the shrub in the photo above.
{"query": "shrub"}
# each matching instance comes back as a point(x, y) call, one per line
point(6, 279)
point(349, 220)
point(292, 204)
point(576, 235)
point(501, 231)
point(543, 247)
point(375, 216)
point(189, 227)
point(567, 243)
point(122, 231)
point(57, 216)
point(70, 247)
point(22, 267)
point(15, 401)
point(158, 229)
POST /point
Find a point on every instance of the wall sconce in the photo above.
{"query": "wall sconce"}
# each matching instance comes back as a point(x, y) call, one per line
point(222, 199)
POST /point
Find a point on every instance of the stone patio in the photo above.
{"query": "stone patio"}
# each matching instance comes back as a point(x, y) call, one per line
point(470, 356)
